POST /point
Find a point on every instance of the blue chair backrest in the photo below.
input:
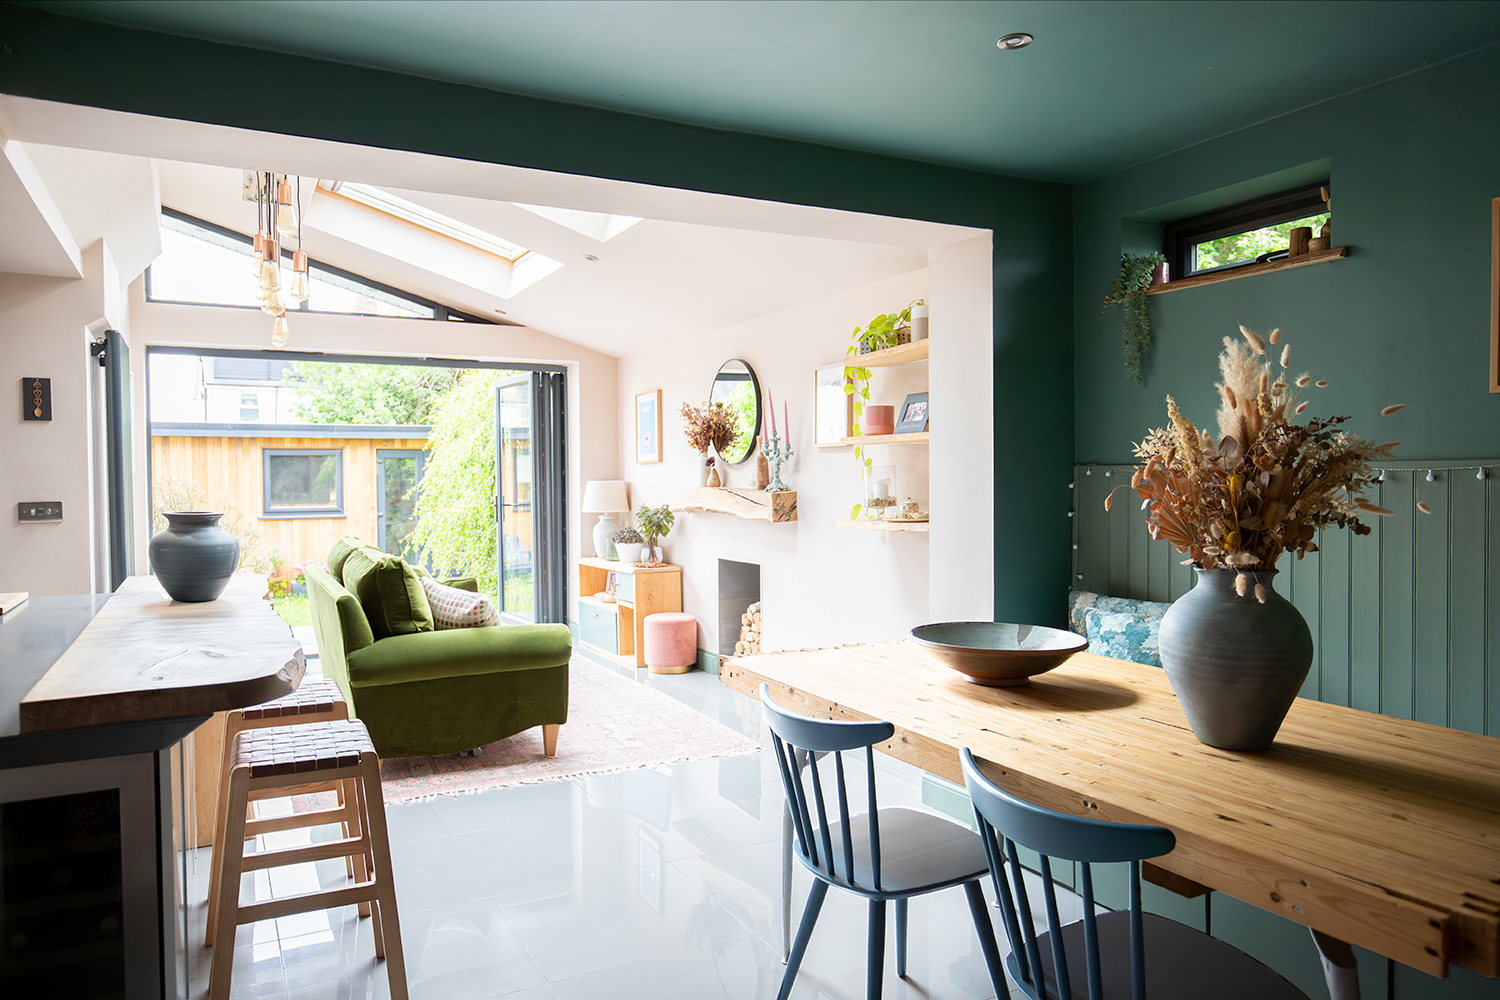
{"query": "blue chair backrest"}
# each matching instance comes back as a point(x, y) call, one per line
point(799, 742)
point(1004, 822)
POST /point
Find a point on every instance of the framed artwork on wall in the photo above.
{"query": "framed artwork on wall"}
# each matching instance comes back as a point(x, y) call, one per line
point(912, 417)
point(834, 407)
point(648, 426)
point(1495, 295)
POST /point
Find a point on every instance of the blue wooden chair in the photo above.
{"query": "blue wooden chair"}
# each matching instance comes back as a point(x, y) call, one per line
point(1110, 953)
point(884, 854)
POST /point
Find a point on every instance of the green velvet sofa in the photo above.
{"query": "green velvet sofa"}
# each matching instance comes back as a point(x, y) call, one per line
point(422, 692)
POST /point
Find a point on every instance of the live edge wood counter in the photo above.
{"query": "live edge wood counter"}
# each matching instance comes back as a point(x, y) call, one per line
point(1378, 831)
point(145, 656)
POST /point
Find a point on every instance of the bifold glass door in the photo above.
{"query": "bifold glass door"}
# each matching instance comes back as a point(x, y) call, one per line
point(398, 473)
point(529, 492)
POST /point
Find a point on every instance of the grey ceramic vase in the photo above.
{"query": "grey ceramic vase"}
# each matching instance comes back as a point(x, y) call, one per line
point(194, 558)
point(1235, 663)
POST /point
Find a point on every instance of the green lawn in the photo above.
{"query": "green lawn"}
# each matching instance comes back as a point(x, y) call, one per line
point(294, 609)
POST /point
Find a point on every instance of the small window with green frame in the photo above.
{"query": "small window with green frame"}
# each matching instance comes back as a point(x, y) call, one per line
point(1248, 233)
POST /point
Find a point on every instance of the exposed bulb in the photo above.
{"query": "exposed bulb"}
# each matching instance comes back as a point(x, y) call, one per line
point(279, 331)
point(271, 304)
point(258, 254)
point(270, 277)
point(301, 288)
point(286, 218)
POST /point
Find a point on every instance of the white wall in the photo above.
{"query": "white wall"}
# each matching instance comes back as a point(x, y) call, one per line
point(42, 333)
point(593, 436)
point(819, 584)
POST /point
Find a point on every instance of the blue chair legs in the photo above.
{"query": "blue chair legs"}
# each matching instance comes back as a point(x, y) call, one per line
point(804, 932)
point(901, 939)
point(982, 926)
point(875, 951)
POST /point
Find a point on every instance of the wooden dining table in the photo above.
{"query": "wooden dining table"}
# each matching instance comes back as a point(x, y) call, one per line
point(1377, 831)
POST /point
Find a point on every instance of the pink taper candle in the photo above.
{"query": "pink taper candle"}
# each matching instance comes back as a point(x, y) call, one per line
point(771, 405)
point(785, 422)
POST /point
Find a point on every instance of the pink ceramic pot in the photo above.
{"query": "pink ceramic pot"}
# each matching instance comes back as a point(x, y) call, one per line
point(879, 420)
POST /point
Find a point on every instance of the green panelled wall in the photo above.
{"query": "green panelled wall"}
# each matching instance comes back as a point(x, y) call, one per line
point(1402, 617)
point(61, 59)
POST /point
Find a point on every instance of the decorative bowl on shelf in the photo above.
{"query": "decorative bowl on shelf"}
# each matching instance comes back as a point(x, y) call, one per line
point(997, 654)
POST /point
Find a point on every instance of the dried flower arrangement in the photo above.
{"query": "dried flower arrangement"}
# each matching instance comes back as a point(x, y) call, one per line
point(712, 425)
point(1267, 484)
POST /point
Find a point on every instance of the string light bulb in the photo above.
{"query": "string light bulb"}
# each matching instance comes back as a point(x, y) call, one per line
point(270, 268)
point(300, 288)
point(258, 254)
point(286, 218)
point(279, 330)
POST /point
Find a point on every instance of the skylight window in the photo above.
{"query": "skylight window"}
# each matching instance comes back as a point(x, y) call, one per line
point(375, 199)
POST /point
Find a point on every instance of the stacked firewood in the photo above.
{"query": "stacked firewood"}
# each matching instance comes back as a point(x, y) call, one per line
point(749, 631)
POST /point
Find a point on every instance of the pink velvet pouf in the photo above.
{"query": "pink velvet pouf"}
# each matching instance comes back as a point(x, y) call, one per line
point(671, 642)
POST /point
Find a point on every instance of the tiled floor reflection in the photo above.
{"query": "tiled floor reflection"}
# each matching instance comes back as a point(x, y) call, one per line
point(663, 883)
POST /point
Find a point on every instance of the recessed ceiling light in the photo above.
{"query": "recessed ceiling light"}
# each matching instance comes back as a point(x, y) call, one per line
point(589, 256)
point(1015, 40)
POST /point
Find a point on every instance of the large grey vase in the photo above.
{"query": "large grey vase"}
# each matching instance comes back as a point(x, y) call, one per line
point(194, 558)
point(1235, 663)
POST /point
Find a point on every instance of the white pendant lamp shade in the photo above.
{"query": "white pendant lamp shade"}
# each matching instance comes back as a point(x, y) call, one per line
point(605, 496)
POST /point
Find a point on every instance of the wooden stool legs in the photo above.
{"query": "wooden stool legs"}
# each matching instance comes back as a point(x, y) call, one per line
point(367, 848)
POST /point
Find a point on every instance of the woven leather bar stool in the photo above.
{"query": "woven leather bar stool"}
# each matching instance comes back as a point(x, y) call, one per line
point(289, 757)
point(317, 699)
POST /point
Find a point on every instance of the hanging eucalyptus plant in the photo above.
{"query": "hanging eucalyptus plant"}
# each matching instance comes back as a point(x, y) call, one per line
point(1129, 293)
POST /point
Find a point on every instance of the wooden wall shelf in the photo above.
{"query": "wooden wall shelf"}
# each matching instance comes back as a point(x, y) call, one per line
point(755, 505)
point(918, 438)
point(901, 354)
point(868, 524)
point(1249, 270)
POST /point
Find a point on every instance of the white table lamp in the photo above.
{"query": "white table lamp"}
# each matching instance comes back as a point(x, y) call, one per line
point(604, 497)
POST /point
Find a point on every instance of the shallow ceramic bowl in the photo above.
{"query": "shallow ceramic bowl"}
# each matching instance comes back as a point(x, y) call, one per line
point(997, 654)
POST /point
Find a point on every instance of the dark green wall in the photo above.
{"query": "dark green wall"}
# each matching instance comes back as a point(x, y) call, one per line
point(1414, 164)
point(85, 63)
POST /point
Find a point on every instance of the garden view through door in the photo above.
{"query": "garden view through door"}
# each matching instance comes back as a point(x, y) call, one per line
point(514, 478)
point(399, 471)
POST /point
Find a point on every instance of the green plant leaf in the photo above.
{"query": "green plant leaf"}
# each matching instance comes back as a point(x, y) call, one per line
point(854, 513)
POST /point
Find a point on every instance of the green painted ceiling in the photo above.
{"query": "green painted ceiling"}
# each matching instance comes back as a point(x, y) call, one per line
point(1105, 85)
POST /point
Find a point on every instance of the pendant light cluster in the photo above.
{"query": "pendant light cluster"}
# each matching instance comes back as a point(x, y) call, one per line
point(278, 221)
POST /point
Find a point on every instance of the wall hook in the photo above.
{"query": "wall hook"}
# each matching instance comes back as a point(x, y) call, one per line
point(1431, 476)
point(1088, 472)
point(1071, 513)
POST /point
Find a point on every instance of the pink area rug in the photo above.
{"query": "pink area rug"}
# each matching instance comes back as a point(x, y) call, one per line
point(614, 724)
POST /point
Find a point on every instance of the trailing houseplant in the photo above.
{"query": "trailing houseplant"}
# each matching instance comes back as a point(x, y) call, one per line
point(655, 523)
point(1235, 651)
point(881, 332)
point(1129, 293)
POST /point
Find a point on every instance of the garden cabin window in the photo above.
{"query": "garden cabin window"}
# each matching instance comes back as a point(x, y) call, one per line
point(1244, 233)
point(303, 482)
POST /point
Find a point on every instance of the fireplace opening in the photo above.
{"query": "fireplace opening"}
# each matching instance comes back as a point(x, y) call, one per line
point(739, 605)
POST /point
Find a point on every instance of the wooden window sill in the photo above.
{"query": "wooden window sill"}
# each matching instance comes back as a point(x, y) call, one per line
point(1249, 270)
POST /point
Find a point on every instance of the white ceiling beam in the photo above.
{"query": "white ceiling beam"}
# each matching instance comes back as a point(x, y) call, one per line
point(34, 239)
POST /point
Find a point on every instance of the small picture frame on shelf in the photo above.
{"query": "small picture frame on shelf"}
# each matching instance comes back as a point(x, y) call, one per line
point(912, 417)
point(648, 427)
point(834, 407)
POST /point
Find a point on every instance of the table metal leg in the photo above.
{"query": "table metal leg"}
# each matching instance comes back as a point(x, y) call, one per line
point(1340, 969)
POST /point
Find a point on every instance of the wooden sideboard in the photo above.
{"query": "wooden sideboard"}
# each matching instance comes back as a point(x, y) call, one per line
point(618, 628)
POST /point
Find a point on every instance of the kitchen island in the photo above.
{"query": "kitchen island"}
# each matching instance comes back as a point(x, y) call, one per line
point(96, 696)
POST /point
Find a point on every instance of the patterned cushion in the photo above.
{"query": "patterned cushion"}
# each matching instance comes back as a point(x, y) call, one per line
point(454, 608)
point(1079, 601)
point(1124, 636)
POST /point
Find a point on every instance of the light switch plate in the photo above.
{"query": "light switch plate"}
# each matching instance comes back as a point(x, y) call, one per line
point(40, 510)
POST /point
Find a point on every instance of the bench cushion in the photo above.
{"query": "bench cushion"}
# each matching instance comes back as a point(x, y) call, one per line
point(1079, 601)
point(1124, 636)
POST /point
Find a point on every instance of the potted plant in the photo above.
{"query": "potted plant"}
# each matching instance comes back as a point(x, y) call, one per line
point(1235, 651)
point(1129, 293)
point(654, 522)
point(628, 543)
point(710, 429)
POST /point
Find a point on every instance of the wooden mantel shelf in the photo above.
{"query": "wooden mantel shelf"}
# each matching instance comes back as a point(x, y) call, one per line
point(755, 505)
point(1248, 270)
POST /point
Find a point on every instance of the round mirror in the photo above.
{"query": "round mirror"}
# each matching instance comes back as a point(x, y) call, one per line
point(737, 387)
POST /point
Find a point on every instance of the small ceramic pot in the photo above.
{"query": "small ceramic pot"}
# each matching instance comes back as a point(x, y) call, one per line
point(194, 558)
point(629, 551)
point(879, 420)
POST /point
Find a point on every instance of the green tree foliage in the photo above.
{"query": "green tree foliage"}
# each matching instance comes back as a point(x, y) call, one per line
point(369, 394)
point(456, 506)
point(1243, 247)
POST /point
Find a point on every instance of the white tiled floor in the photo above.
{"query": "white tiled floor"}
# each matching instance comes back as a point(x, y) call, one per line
point(661, 883)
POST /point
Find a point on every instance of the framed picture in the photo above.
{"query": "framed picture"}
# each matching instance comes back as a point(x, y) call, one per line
point(648, 426)
point(912, 417)
point(834, 407)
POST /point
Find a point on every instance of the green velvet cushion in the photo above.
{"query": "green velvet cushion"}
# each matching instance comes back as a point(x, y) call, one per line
point(468, 583)
point(389, 591)
point(339, 553)
point(459, 652)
